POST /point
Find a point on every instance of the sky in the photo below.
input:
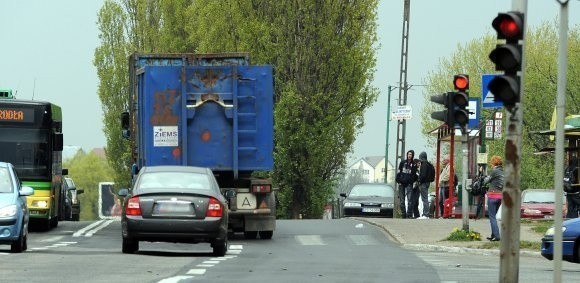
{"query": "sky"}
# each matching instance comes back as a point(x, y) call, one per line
point(47, 50)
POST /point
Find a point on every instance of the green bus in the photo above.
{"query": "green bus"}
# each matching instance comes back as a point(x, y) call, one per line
point(31, 139)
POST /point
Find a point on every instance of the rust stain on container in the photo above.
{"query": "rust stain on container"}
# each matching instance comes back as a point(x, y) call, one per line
point(176, 153)
point(206, 136)
point(162, 108)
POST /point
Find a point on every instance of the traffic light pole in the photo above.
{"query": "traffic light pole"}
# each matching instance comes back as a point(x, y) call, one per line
point(464, 197)
point(511, 199)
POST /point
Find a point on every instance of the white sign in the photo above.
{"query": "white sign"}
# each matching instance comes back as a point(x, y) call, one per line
point(491, 130)
point(165, 136)
point(402, 112)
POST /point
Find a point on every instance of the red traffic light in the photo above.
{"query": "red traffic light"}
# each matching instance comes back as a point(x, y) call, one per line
point(509, 26)
point(461, 82)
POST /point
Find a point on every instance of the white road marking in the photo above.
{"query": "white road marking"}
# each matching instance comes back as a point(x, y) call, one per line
point(52, 239)
point(103, 225)
point(310, 240)
point(236, 252)
point(90, 226)
point(363, 240)
point(174, 279)
point(211, 262)
point(219, 258)
point(205, 265)
point(236, 247)
point(196, 271)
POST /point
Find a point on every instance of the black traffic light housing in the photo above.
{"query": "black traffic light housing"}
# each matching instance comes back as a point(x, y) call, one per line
point(461, 100)
point(445, 99)
point(507, 58)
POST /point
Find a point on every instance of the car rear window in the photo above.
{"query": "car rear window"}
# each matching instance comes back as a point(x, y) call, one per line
point(174, 180)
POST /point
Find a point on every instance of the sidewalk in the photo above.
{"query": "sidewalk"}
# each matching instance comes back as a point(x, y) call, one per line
point(431, 234)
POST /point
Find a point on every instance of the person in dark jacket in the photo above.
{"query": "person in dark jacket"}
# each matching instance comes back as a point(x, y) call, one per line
point(494, 195)
point(408, 176)
point(424, 185)
point(572, 188)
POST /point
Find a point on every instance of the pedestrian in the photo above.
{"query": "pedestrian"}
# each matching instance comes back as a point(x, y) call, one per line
point(494, 195)
point(443, 183)
point(482, 190)
point(405, 178)
point(424, 183)
point(572, 188)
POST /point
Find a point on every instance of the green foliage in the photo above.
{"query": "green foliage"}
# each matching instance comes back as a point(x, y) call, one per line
point(539, 95)
point(464, 235)
point(541, 227)
point(87, 170)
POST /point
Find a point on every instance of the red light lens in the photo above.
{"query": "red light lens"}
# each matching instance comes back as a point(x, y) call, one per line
point(214, 208)
point(261, 188)
point(509, 27)
point(133, 206)
point(461, 82)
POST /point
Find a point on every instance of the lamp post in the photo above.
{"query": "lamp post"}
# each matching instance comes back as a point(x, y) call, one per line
point(389, 88)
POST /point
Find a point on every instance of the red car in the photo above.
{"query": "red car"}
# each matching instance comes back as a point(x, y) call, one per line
point(540, 204)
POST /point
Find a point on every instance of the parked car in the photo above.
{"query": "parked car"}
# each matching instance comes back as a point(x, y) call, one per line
point(570, 241)
point(540, 204)
point(179, 204)
point(369, 199)
point(72, 202)
point(14, 214)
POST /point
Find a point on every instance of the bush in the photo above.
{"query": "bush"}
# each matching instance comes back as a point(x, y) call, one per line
point(464, 235)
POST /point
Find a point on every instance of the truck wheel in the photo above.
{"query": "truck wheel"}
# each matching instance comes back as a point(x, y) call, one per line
point(250, 234)
point(266, 235)
point(130, 246)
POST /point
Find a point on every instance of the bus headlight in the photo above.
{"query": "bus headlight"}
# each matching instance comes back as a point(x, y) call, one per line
point(40, 203)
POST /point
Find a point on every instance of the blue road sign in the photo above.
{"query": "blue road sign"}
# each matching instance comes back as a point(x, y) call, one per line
point(474, 114)
point(487, 98)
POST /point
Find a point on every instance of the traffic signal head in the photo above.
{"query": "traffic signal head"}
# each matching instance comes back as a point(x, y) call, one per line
point(445, 99)
point(460, 99)
point(507, 58)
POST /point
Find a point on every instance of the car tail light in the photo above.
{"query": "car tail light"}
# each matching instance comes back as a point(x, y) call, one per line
point(262, 188)
point(214, 208)
point(133, 206)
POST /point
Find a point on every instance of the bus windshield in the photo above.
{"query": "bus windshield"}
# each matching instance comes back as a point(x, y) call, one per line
point(27, 150)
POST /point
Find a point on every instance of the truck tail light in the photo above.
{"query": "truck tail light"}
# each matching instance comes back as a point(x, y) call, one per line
point(261, 188)
point(133, 206)
point(214, 208)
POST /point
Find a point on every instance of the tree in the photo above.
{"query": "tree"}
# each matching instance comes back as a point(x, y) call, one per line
point(323, 53)
point(539, 96)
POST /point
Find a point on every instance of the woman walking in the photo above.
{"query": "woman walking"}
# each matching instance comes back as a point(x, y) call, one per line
point(494, 195)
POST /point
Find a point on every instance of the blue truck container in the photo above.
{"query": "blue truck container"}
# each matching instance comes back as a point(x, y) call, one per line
point(209, 110)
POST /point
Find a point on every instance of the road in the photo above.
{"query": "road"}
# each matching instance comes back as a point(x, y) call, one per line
point(340, 250)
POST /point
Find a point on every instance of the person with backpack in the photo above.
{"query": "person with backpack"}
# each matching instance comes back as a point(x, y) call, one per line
point(572, 188)
point(406, 176)
point(426, 176)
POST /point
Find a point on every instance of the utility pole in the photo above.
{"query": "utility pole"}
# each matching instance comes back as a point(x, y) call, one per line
point(389, 88)
point(401, 124)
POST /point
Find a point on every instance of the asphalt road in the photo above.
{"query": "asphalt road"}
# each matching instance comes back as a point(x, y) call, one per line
point(340, 250)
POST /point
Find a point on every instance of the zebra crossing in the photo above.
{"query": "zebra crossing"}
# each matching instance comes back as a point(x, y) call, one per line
point(320, 240)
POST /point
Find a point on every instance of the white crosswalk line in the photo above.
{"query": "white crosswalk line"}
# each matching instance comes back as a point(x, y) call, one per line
point(363, 240)
point(310, 240)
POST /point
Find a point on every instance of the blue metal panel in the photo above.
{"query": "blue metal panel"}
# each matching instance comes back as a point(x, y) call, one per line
point(205, 113)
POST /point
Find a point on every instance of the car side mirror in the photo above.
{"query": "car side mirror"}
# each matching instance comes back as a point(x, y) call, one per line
point(80, 191)
point(26, 191)
point(123, 192)
point(343, 195)
point(64, 171)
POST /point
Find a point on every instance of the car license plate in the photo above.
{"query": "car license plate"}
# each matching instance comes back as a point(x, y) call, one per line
point(173, 208)
point(35, 212)
point(371, 209)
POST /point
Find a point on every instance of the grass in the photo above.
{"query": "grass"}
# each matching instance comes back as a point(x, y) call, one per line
point(464, 235)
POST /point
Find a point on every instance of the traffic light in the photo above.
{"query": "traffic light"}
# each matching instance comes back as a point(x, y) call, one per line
point(507, 58)
point(461, 99)
point(445, 99)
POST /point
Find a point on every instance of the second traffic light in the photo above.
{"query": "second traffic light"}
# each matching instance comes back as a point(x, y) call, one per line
point(446, 116)
point(461, 99)
point(508, 58)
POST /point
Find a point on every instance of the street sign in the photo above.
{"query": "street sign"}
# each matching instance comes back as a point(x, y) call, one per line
point(486, 96)
point(473, 109)
point(402, 112)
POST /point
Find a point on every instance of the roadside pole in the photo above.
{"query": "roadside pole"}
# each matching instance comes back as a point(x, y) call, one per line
point(464, 197)
point(511, 197)
point(559, 160)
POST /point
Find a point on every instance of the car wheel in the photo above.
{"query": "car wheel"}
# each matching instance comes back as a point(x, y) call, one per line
point(577, 251)
point(250, 234)
point(220, 248)
point(130, 246)
point(75, 217)
point(18, 245)
point(266, 235)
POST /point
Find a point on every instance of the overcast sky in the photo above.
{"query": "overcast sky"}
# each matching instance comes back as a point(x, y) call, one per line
point(47, 50)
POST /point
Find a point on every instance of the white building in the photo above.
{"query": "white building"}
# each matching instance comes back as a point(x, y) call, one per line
point(372, 169)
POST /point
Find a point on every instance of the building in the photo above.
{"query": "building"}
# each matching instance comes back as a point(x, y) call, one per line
point(372, 169)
